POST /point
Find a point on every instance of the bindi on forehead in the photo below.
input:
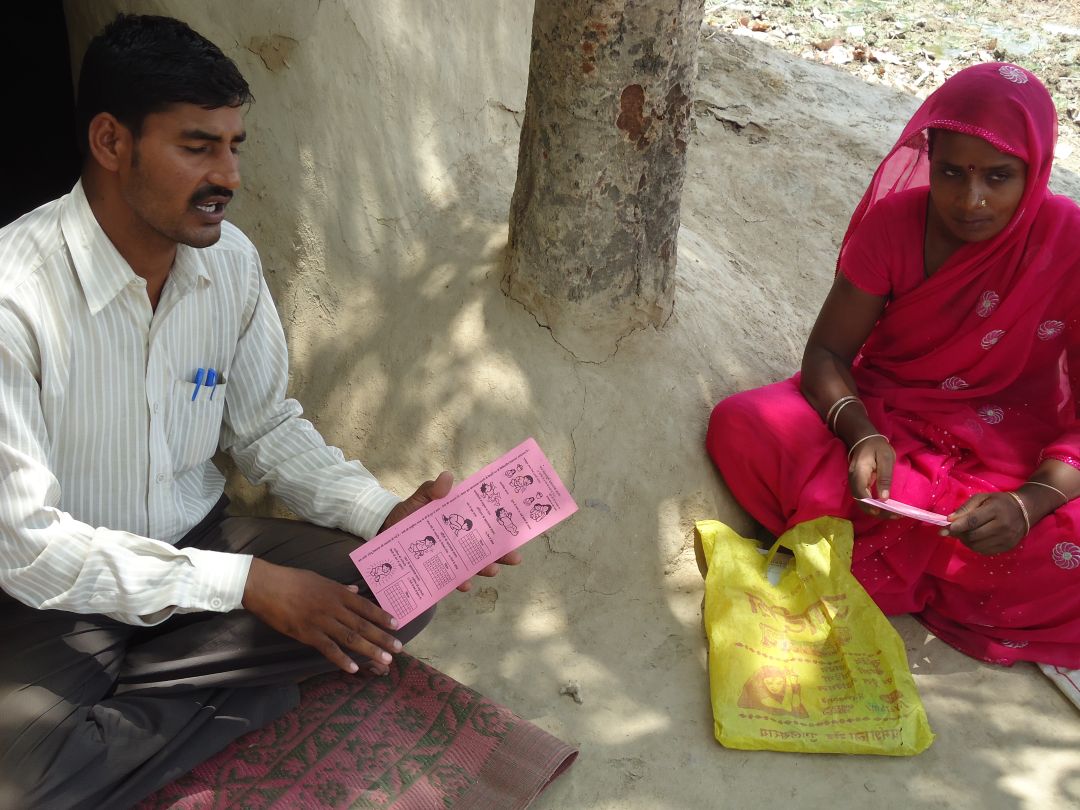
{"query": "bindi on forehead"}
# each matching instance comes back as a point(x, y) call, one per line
point(972, 153)
point(972, 168)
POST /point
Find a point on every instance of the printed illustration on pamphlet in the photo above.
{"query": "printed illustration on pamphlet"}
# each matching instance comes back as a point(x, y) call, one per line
point(416, 562)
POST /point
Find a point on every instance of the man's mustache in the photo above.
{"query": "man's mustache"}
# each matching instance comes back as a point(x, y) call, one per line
point(210, 191)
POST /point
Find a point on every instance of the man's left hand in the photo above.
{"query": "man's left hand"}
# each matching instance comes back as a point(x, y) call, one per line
point(426, 493)
point(513, 558)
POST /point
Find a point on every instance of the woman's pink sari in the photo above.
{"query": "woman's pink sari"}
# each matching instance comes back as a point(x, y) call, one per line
point(968, 375)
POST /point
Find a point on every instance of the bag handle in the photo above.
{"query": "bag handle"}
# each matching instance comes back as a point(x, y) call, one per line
point(775, 548)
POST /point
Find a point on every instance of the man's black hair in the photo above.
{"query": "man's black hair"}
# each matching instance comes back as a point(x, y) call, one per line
point(141, 64)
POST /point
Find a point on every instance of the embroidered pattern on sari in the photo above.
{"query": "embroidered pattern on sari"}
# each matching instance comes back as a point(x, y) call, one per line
point(988, 302)
point(1048, 330)
point(1013, 74)
point(1066, 555)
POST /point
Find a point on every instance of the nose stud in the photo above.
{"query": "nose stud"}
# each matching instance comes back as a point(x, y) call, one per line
point(982, 203)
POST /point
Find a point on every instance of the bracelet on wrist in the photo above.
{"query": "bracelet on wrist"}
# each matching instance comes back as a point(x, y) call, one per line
point(866, 438)
point(1064, 498)
point(836, 416)
point(836, 407)
point(1023, 511)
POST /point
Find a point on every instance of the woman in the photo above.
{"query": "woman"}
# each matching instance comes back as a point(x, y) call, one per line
point(943, 372)
point(774, 689)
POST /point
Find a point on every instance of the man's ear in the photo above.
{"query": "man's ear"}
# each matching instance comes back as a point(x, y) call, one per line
point(110, 142)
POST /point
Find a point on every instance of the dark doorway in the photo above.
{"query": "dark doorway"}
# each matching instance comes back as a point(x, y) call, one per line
point(39, 159)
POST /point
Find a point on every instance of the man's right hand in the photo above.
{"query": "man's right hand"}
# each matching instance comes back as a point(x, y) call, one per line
point(330, 617)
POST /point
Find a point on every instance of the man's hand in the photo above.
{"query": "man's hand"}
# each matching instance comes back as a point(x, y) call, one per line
point(332, 618)
point(425, 494)
point(513, 558)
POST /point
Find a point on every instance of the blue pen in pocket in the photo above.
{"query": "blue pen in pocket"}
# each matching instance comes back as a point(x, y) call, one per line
point(211, 381)
point(199, 373)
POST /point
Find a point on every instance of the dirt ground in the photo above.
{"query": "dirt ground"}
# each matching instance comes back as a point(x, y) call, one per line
point(914, 45)
point(611, 599)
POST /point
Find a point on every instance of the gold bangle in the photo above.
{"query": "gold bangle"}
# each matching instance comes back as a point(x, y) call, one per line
point(1064, 497)
point(836, 406)
point(1023, 511)
point(863, 439)
point(836, 416)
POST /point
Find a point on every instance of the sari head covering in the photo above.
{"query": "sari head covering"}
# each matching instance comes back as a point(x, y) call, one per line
point(1004, 105)
point(974, 349)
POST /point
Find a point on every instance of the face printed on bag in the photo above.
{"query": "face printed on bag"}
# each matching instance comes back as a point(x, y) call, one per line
point(775, 684)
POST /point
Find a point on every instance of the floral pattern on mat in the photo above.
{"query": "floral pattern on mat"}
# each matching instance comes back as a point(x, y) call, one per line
point(414, 738)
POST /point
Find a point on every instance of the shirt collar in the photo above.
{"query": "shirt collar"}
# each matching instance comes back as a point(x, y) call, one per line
point(102, 271)
point(189, 269)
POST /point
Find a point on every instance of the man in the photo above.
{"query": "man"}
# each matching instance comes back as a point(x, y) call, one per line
point(142, 627)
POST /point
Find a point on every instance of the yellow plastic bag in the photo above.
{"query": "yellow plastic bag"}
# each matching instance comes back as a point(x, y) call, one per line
point(809, 664)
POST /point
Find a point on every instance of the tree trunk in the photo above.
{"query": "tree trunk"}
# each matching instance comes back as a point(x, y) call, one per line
point(595, 214)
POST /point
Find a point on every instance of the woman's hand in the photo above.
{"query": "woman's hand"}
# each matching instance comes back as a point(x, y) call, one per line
point(871, 468)
point(988, 523)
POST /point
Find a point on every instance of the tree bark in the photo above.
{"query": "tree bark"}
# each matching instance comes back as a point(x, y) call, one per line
point(594, 218)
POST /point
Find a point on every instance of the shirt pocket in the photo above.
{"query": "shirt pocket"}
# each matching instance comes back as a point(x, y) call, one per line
point(194, 424)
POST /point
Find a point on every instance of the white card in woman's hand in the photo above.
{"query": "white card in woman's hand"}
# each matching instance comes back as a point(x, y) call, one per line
point(898, 508)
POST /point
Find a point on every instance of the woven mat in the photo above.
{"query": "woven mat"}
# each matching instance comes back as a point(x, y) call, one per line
point(412, 740)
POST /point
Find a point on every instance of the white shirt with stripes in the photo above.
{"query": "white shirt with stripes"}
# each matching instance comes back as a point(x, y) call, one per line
point(105, 456)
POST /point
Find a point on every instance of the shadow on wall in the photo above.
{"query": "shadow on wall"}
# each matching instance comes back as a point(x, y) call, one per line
point(397, 182)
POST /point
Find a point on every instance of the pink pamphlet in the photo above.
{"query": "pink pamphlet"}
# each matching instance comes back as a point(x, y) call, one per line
point(898, 508)
point(416, 562)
